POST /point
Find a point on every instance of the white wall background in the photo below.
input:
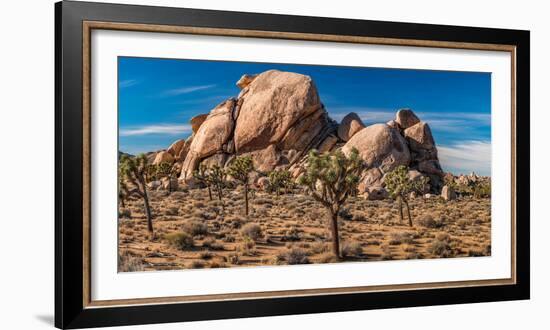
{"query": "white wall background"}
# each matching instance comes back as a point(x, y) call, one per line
point(27, 169)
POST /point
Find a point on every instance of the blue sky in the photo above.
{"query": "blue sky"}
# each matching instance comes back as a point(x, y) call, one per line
point(157, 97)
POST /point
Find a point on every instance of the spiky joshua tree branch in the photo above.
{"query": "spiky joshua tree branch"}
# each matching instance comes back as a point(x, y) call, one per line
point(399, 185)
point(134, 171)
point(240, 169)
point(331, 178)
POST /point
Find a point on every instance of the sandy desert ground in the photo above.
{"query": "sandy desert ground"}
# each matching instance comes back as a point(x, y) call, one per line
point(192, 231)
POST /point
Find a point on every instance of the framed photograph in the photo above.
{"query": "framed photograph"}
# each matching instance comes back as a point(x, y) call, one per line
point(218, 164)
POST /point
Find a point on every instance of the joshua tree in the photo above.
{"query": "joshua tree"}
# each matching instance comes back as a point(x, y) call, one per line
point(279, 179)
point(123, 191)
point(164, 170)
point(399, 185)
point(202, 176)
point(239, 169)
point(331, 178)
point(134, 170)
point(216, 177)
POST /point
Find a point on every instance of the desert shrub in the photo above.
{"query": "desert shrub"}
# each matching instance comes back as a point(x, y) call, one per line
point(234, 259)
point(129, 263)
point(386, 253)
point(428, 221)
point(292, 234)
point(359, 217)
point(441, 246)
point(215, 264)
point(247, 247)
point(212, 244)
point(196, 264)
point(294, 256)
point(195, 228)
point(252, 230)
point(345, 214)
point(172, 210)
point(352, 249)
point(125, 213)
point(228, 238)
point(205, 255)
point(319, 247)
point(400, 238)
point(475, 253)
point(180, 241)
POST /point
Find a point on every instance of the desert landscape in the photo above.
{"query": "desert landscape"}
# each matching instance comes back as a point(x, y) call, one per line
point(269, 178)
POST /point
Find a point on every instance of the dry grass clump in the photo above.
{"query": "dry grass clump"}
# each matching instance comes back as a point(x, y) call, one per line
point(247, 247)
point(197, 264)
point(172, 210)
point(181, 241)
point(441, 246)
point(352, 249)
point(125, 213)
point(129, 263)
point(195, 228)
point(294, 256)
point(252, 231)
point(291, 235)
point(427, 220)
point(212, 244)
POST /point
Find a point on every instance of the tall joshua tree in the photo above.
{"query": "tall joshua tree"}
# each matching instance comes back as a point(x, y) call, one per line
point(240, 169)
point(202, 176)
point(399, 185)
point(135, 170)
point(216, 177)
point(331, 178)
point(279, 179)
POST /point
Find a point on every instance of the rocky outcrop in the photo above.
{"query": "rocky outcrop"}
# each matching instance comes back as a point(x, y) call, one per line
point(163, 157)
point(424, 152)
point(278, 108)
point(448, 193)
point(197, 121)
point(350, 125)
point(380, 146)
point(210, 138)
point(278, 117)
point(405, 118)
point(245, 80)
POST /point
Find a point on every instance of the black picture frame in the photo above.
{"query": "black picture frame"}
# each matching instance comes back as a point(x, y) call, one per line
point(70, 310)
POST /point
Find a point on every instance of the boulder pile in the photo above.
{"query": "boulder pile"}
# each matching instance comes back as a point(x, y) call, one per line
point(278, 117)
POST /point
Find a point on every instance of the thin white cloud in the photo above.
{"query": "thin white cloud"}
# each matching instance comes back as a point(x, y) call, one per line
point(158, 129)
point(186, 90)
point(128, 83)
point(466, 157)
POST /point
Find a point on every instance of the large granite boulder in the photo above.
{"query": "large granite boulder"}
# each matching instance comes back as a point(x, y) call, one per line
point(350, 125)
point(276, 101)
point(214, 132)
point(380, 146)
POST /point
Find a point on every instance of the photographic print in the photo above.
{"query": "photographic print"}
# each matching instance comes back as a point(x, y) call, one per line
point(227, 164)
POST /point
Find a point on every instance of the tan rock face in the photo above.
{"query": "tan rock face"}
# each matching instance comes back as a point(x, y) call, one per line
point(380, 146)
point(210, 138)
point(163, 157)
point(175, 147)
point(420, 136)
point(328, 143)
point(350, 125)
point(405, 118)
point(265, 160)
point(275, 101)
point(214, 131)
point(245, 80)
point(197, 121)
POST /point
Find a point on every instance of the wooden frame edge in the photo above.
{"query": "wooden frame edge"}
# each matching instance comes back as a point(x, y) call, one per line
point(89, 25)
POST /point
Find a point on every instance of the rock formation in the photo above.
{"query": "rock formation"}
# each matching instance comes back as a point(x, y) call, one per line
point(278, 117)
